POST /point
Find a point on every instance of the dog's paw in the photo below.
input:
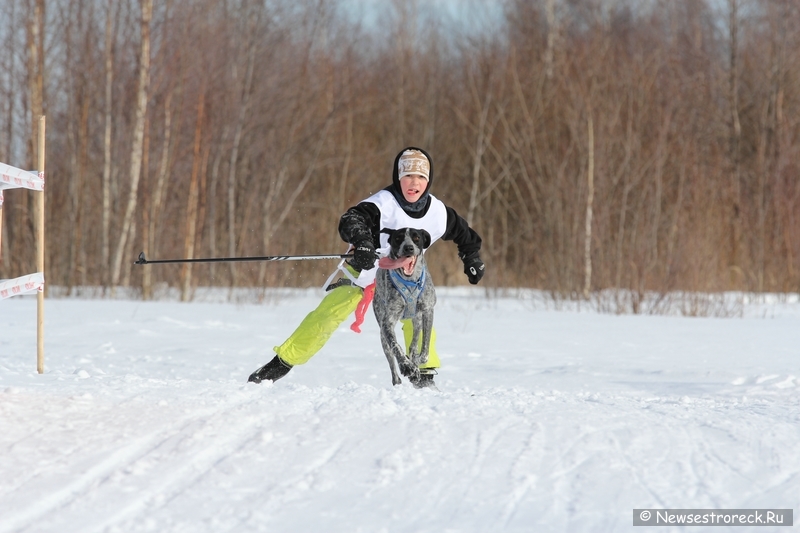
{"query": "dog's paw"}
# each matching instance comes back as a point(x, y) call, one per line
point(409, 370)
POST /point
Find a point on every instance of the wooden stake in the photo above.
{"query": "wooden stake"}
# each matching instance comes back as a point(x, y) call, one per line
point(1, 227)
point(40, 254)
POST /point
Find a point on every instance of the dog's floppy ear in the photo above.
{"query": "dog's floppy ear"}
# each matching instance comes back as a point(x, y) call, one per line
point(388, 231)
point(426, 238)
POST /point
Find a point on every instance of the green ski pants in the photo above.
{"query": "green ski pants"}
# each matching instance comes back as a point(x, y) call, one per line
point(318, 326)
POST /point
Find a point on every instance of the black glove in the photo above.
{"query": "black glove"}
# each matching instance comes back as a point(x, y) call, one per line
point(473, 268)
point(364, 256)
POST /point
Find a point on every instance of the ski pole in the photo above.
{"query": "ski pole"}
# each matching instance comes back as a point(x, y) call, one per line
point(144, 261)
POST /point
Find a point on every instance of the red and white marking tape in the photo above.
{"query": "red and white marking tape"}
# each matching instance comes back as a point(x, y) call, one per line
point(24, 285)
point(15, 178)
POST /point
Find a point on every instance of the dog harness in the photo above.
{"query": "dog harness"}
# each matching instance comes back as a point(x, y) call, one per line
point(410, 290)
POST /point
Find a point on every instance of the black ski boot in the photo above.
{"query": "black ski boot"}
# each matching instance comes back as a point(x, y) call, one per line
point(425, 380)
point(272, 371)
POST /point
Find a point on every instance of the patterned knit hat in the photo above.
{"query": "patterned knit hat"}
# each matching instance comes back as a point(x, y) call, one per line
point(413, 162)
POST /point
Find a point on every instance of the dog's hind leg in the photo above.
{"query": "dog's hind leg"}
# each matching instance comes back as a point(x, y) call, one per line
point(413, 346)
point(418, 352)
point(427, 331)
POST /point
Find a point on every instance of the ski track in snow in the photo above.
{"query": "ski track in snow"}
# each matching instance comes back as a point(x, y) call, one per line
point(546, 420)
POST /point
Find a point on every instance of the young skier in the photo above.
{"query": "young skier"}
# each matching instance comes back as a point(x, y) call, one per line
point(407, 202)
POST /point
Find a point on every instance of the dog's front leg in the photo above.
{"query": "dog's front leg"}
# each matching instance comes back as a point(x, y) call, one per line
point(407, 366)
point(389, 344)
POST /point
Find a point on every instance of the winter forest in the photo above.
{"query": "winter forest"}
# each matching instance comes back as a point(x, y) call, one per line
point(650, 146)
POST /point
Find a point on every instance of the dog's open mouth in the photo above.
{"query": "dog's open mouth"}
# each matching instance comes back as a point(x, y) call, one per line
point(406, 263)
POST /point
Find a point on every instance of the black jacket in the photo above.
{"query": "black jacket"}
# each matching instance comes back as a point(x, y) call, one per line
point(362, 222)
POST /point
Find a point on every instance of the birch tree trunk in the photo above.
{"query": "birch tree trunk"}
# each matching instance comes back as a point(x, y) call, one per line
point(78, 135)
point(158, 194)
point(5, 149)
point(192, 201)
point(35, 43)
point(109, 84)
point(3, 260)
point(138, 140)
point(237, 139)
point(587, 247)
point(212, 204)
point(551, 38)
point(735, 134)
point(35, 76)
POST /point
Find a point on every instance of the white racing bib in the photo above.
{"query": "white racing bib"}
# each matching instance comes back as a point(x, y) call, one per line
point(393, 217)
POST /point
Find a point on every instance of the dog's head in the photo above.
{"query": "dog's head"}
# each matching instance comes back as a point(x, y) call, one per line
point(406, 245)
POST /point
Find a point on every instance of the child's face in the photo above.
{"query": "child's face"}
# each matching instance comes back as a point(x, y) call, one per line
point(413, 185)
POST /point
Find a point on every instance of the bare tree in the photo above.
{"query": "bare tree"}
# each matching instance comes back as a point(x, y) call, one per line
point(8, 107)
point(138, 135)
point(734, 137)
point(587, 251)
point(552, 33)
point(35, 74)
point(244, 108)
point(108, 54)
point(157, 198)
point(192, 199)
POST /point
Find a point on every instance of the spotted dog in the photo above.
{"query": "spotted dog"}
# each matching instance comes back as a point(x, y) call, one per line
point(404, 290)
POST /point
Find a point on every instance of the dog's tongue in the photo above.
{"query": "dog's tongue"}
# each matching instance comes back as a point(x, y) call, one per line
point(406, 263)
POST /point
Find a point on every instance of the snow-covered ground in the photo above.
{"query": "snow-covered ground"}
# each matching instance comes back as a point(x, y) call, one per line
point(546, 420)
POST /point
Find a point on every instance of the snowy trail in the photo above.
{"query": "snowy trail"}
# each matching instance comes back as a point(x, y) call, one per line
point(556, 421)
